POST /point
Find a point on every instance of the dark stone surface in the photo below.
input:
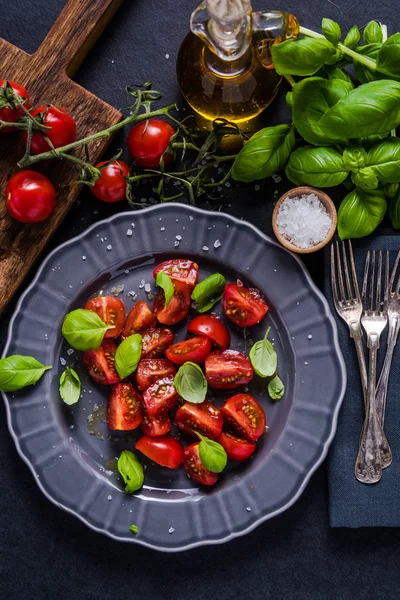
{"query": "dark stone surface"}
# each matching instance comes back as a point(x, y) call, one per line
point(47, 554)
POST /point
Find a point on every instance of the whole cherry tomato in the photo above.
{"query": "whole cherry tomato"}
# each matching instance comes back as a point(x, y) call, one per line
point(62, 132)
point(10, 111)
point(30, 197)
point(147, 142)
point(111, 186)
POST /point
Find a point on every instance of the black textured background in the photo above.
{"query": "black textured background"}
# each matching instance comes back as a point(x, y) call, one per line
point(46, 554)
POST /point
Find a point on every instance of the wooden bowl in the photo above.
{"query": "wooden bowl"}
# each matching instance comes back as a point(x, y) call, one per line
point(330, 209)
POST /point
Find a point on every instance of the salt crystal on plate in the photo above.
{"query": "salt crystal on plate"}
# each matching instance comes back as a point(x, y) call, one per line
point(63, 361)
point(83, 257)
point(178, 237)
point(171, 530)
point(205, 248)
point(147, 288)
point(217, 244)
point(109, 247)
point(129, 232)
point(303, 220)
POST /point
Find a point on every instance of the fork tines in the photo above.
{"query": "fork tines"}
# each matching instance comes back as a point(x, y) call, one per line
point(372, 302)
point(339, 295)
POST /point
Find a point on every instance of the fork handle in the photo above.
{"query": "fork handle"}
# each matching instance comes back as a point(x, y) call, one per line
point(356, 334)
point(368, 467)
point(382, 386)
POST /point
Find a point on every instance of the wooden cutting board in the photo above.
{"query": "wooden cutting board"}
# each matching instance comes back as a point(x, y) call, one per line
point(46, 74)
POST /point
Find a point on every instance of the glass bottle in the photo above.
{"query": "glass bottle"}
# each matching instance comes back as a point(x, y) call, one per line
point(224, 64)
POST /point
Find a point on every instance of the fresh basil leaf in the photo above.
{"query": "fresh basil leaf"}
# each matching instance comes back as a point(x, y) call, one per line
point(394, 210)
point(289, 100)
point(369, 109)
point(384, 159)
point(276, 389)
point(319, 167)
point(388, 58)
point(312, 99)
point(336, 58)
point(70, 386)
point(128, 354)
point(303, 56)
point(372, 33)
point(165, 282)
point(352, 38)
point(190, 383)
point(83, 329)
point(17, 372)
point(131, 470)
point(331, 30)
point(208, 292)
point(212, 455)
point(265, 153)
point(363, 73)
point(391, 189)
point(333, 72)
point(134, 529)
point(365, 178)
point(360, 213)
point(263, 357)
point(354, 157)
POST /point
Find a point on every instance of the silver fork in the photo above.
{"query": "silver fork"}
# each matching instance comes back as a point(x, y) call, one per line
point(368, 468)
point(394, 326)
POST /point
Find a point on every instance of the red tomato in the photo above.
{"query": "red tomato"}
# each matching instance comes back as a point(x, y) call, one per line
point(140, 318)
point(111, 311)
point(179, 269)
point(156, 341)
point(124, 407)
point(228, 369)
point(212, 328)
point(100, 363)
point(243, 306)
point(235, 447)
point(152, 369)
point(154, 427)
point(194, 350)
point(194, 467)
point(111, 186)
point(147, 142)
point(160, 397)
point(245, 415)
point(10, 111)
point(165, 451)
point(30, 197)
point(62, 132)
point(178, 307)
point(204, 418)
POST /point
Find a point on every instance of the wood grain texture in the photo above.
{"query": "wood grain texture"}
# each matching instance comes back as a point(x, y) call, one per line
point(46, 75)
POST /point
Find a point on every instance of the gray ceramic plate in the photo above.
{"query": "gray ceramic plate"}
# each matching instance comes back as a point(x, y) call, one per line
point(72, 466)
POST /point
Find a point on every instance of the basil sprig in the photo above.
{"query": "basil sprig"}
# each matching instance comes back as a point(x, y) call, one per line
point(263, 357)
point(208, 292)
point(212, 455)
point(190, 383)
point(131, 470)
point(128, 354)
point(70, 386)
point(276, 388)
point(83, 329)
point(17, 372)
point(164, 281)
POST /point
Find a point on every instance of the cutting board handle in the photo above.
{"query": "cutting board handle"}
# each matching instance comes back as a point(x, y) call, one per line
point(74, 32)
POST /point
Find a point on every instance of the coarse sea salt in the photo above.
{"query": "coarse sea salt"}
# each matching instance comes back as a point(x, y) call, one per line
point(303, 220)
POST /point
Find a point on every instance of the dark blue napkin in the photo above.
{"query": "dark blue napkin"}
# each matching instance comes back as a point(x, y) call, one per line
point(351, 503)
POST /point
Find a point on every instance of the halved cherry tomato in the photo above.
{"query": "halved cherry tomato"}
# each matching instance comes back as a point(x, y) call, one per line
point(165, 451)
point(140, 318)
point(178, 307)
point(154, 427)
point(160, 397)
point(150, 370)
point(195, 468)
point(30, 197)
point(147, 142)
point(10, 111)
point(204, 418)
point(243, 306)
point(228, 369)
point(111, 186)
point(194, 350)
point(62, 132)
point(111, 311)
point(156, 341)
point(212, 328)
point(100, 363)
point(245, 415)
point(235, 447)
point(179, 269)
point(124, 407)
